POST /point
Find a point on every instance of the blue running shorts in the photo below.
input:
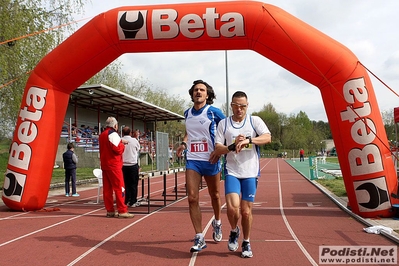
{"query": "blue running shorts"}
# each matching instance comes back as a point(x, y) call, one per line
point(204, 168)
point(246, 187)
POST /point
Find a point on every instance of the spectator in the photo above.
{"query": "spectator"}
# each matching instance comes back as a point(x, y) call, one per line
point(130, 167)
point(70, 160)
point(111, 150)
point(73, 130)
point(137, 134)
point(301, 155)
point(88, 132)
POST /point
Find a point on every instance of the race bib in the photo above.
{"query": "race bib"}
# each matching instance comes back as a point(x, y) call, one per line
point(199, 147)
point(245, 147)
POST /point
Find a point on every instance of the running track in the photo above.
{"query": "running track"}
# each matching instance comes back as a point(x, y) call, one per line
point(292, 218)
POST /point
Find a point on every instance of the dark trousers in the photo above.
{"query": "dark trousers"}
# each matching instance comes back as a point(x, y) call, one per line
point(131, 178)
point(70, 175)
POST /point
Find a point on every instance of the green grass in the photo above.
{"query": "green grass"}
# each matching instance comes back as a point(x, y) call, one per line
point(336, 186)
point(83, 173)
point(332, 159)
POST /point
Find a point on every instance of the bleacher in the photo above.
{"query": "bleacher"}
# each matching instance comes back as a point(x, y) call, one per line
point(86, 137)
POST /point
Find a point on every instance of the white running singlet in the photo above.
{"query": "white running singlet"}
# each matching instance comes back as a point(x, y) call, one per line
point(244, 164)
point(201, 129)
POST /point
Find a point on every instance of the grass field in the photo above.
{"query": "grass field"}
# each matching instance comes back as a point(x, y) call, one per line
point(336, 185)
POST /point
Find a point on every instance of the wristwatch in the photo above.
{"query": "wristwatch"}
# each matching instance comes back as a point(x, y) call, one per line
point(250, 139)
point(232, 147)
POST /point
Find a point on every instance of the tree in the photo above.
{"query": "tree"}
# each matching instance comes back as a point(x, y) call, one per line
point(294, 136)
point(173, 103)
point(19, 54)
point(389, 124)
point(272, 119)
point(113, 76)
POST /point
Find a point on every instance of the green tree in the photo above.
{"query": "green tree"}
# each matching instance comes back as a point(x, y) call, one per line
point(272, 119)
point(25, 38)
point(173, 103)
point(294, 136)
point(113, 76)
point(389, 124)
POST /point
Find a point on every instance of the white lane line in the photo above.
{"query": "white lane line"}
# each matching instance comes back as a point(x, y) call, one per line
point(304, 251)
point(59, 223)
point(194, 254)
point(47, 227)
point(119, 232)
point(122, 230)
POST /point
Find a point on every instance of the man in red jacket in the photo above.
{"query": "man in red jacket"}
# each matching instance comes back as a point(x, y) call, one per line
point(111, 150)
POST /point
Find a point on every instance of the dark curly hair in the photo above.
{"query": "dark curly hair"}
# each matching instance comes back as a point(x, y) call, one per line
point(209, 90)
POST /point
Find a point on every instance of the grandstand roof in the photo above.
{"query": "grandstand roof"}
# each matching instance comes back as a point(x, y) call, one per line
point(106, 99)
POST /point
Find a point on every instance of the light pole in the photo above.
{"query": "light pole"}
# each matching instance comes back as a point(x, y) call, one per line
point(227, 84)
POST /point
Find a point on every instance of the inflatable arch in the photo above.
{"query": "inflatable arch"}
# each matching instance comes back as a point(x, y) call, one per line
point(349, 99)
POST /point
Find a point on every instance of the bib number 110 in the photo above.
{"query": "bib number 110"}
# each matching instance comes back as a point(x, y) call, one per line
point(199, 147)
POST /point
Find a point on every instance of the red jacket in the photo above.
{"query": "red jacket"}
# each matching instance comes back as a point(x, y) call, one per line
point(111, 150)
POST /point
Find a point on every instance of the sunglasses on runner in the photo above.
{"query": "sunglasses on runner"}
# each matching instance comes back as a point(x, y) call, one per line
point(237, 105)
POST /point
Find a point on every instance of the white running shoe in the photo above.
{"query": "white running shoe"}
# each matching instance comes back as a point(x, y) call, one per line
point(246, 250)
point(217, 231)
point(199, 244)
point(233, 240)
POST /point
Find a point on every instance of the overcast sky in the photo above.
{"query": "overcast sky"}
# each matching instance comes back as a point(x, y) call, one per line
point(369, 28)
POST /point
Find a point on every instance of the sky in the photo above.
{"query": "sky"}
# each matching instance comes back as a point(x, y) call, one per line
point(368, 28)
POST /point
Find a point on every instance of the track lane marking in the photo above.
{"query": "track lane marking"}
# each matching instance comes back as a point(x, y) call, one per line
point(14, 217)
point(194, 254)
point(45, 228)
point(287, 224)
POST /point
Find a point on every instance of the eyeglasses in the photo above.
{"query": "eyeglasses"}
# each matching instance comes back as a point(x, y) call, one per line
point(237, 105)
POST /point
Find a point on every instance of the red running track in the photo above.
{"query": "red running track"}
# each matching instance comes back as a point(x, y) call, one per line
point(292, 218)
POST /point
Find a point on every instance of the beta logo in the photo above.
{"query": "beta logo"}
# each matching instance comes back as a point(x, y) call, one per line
point(131, 25)
point(13, 185)
point(167, 24)
point(372, 194)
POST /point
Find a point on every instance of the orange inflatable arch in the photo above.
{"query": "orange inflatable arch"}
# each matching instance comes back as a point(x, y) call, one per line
point(349, 99)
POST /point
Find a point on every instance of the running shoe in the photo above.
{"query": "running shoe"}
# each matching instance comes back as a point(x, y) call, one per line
point(246, 250)
point(112, 214)
point(217, 231)
point(233, 240)
point(125, 215)
point(75, 195)
point(136, 204)
point(199, 244)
